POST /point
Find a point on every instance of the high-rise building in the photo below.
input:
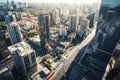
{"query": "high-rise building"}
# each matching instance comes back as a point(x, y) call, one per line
point(73, 23)
point(52, 17)
point(113, 68)
point(84, 24)
point(44, 24)
point(107, 35)
point(23, 56)
point(57, 17)
point(14, 33)
point(91, 20)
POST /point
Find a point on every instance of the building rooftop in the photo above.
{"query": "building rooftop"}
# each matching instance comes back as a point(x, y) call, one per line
point(35, 38)
point(22, 47)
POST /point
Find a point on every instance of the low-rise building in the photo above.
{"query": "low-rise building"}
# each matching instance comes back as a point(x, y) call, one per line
point(60, 48)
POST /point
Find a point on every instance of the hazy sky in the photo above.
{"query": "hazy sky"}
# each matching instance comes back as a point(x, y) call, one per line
point(54, 1)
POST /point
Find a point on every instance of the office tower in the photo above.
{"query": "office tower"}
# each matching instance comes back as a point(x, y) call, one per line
point(6, 74)
point(73, 23)
point(91, 20)
point(14, 33)
point(44, 24)
point(52, 17)
point(84, 24)
point(57, 17)
point(107, 35)
point(23, 56)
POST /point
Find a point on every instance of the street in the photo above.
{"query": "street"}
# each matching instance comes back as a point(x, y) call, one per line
point(73, 53)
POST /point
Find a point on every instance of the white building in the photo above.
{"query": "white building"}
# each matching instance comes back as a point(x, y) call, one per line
point(57, 17)
point(14, 33)
point(23, 56)
point(62, 31)
point(73, 23)
point(14, 18)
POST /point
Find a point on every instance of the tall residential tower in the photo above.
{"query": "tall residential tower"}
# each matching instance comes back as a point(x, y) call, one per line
point(14, 33)
point(44, 27)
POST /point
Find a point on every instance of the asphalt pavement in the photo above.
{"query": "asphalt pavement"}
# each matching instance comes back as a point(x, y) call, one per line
point(68, 63)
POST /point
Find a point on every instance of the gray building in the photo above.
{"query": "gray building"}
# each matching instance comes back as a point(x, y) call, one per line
point(91, 19)
point(23, 56)
point(84, 24)
point(14, 33)
point(73, 23)
point(44, 26)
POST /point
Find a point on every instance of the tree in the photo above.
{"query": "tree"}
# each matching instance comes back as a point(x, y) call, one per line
point(48, 56)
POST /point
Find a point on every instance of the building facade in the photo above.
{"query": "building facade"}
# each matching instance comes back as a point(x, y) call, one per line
point(44, 27)
point(23, 56)
point(14, 33)
point(73, 23)
point(84, 24)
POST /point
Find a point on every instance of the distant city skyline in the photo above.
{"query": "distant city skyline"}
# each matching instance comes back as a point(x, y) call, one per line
point(56, 1)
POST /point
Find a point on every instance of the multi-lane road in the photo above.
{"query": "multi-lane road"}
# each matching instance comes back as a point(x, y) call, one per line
point(68, 59)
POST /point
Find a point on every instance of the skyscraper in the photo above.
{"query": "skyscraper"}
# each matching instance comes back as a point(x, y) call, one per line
point(57, 17)
point(44, 26)
point(73, 23)
point(91, 20)
point(52, 17)
point(84, 24)
point(14, 33)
